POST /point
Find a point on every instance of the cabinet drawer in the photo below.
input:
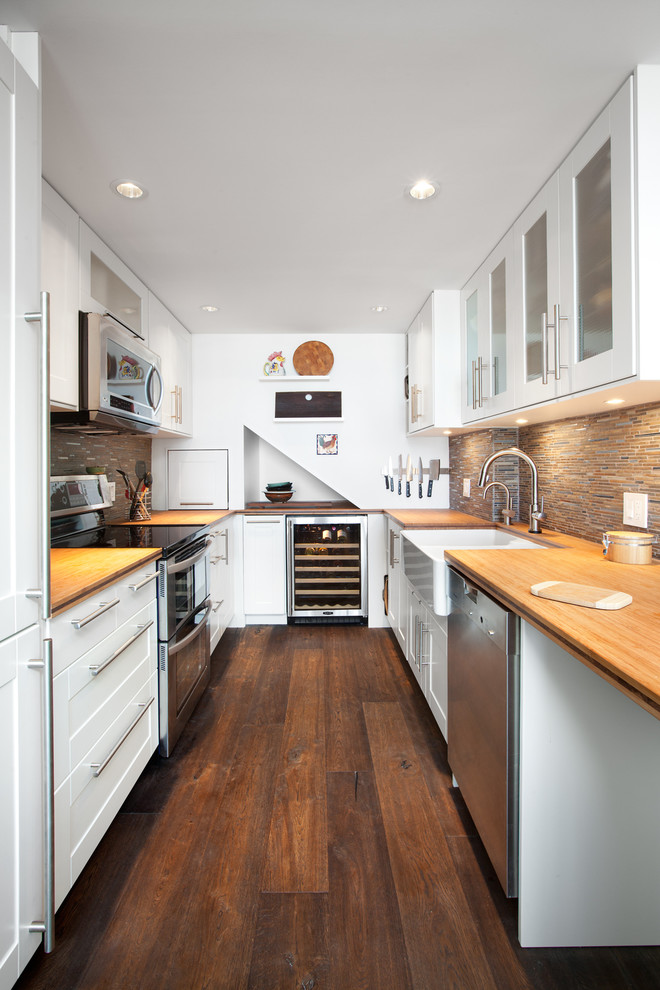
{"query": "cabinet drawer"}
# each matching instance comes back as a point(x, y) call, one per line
point(136, 590)
point(103, 698)
point(95, 800)
point(70, 642)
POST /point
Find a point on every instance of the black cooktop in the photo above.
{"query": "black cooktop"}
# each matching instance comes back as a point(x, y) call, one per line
point(88, 530)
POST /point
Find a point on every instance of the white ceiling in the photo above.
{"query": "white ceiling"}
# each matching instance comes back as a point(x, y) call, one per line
point(277, 139)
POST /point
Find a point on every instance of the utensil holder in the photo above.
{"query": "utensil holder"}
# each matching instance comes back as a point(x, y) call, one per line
point(141, 510)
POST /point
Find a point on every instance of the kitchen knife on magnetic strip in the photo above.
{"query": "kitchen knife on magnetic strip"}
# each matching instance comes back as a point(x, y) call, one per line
point(420, 480)
point(400, 471)
point(383, 471)
point(434, 474)
point(391, 474)
point(409, 474)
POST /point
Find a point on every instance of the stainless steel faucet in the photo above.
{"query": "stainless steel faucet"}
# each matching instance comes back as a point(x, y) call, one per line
point(536, 513)
point(507, 512)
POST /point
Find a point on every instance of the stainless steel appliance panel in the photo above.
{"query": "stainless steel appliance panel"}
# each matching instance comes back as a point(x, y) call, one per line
point(183, 674)
point(483, 719)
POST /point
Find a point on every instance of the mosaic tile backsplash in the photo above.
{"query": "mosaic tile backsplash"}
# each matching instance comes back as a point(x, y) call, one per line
point(71, 453)
point(584, 466)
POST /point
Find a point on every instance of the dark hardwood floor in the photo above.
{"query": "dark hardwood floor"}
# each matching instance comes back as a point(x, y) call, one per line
point(305, 834)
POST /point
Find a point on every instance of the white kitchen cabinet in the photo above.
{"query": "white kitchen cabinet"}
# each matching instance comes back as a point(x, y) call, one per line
point(106, 712)
point(21, 442)
point(264, 569)
point(22, 523)
point(487, 335)
point(222, 554)
point(394, 580)
point(589, 806)
point(597, 249)
point(197, 479)
point(575, 253)
point(172, 342)
point(434, 388)
point(60, 277)
point(427, 654)
point(107, 285)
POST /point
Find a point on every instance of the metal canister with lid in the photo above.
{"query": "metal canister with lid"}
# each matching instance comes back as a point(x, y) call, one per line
point(627, 547)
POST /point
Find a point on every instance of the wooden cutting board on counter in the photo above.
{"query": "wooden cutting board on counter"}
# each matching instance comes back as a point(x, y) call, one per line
point(581, 594)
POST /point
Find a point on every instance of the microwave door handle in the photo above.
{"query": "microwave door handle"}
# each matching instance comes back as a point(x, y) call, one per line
point(153, 370)
point(183, 565)
point(197, 631)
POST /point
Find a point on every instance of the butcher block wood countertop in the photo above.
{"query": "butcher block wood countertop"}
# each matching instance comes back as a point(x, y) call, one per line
point(623, 646)
point(77, 574)
point(437, 519)
point(183, 517)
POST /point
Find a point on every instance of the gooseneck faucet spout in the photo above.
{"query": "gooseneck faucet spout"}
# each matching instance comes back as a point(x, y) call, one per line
point(536, 513)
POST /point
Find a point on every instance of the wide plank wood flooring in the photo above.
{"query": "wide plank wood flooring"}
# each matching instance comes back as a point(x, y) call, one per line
point(305, 835)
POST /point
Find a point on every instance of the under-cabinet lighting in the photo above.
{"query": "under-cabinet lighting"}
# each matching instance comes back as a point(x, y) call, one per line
point(614, 402)
point(422, 190)
point(447, 433)
point(521, 422)
point(128, 189)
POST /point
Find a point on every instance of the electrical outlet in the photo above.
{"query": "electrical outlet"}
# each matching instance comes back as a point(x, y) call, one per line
point(112, 487)
point(636, 509)
point(466, 487)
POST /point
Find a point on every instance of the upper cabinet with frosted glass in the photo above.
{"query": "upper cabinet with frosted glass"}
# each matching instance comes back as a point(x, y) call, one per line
point(487, 336)
point(575, 264)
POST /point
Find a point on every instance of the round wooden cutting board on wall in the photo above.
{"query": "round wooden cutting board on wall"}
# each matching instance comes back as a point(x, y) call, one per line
point(313, 358)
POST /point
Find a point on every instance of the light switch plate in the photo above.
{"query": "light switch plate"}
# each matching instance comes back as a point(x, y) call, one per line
point(636, 509)
point(466, 487)
point(111, 486)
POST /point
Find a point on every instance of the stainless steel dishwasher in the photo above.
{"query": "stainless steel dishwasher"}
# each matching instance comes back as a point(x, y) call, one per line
point(483, 647)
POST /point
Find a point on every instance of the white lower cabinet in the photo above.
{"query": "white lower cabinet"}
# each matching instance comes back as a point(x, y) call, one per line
point(105, 694)
point(221, 578)
point(427, 653)
point(264, 569)
point(397, 586)
point(589, 806)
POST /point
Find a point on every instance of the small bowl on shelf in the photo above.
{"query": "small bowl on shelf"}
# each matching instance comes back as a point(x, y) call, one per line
point(278, 496)
point(280, 486)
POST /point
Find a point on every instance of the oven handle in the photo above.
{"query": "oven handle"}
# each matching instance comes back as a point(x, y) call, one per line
point(173, 650)
point(183, 565)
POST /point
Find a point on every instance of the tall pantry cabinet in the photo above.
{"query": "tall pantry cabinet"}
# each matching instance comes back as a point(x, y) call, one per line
point(25, 907)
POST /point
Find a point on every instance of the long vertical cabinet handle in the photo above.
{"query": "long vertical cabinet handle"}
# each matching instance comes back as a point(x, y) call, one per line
point(544, 347)
point(43, 317)
point(47, 926)
point(474, 384)
point(558, 319)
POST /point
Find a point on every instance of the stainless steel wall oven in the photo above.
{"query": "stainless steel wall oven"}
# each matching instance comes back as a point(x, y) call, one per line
point(327, 569)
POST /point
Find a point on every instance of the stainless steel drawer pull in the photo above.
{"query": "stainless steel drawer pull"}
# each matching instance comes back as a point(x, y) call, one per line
point(98, 768)
point(144, 582)
point(216, 607)
point(214, 560)
point(195, 503)
point(104, 607)
point(47, 926)
point(96, 668)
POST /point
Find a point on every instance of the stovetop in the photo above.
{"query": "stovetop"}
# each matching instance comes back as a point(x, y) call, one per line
point(88, 530)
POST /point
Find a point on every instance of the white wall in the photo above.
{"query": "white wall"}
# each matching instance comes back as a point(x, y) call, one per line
point(368, 369)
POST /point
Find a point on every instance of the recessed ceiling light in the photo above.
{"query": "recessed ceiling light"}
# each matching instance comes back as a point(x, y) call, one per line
point(614, 402)
point(379, 309)
point(209, 309)
point(422, 190)
point(128, 189)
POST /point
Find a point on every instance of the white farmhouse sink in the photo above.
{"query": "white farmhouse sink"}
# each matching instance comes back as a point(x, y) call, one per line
point(424, 556)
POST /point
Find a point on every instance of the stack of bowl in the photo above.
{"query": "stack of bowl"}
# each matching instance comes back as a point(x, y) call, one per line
point(279, 491)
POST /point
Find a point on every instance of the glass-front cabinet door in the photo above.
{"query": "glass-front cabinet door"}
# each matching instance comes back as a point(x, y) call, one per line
point(488, 342)
point(538, 374)
point(597, 250)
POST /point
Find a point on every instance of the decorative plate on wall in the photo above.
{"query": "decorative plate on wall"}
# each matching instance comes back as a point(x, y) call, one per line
point(313, 358)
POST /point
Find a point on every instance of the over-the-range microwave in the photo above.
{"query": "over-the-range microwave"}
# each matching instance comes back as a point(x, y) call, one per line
point(121, 387)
